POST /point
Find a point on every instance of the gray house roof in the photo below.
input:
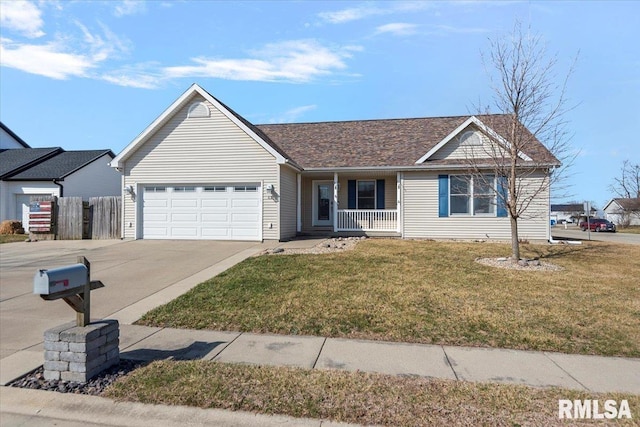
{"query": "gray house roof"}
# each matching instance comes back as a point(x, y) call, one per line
point(60, 166)
point(13, 161)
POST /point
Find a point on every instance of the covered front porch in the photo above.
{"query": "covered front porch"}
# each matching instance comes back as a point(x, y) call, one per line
point(366, 202)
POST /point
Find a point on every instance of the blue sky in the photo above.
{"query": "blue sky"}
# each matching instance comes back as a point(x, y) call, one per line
point(89, 74)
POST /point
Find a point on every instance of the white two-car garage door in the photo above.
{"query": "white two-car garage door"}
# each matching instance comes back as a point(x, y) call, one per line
point(213, 212)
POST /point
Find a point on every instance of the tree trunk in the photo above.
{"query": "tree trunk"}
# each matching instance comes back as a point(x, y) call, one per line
point(515, 241)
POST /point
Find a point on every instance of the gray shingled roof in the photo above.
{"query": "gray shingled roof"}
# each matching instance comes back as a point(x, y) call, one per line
point(376, 143)
point(60, 165)
point(15, 160)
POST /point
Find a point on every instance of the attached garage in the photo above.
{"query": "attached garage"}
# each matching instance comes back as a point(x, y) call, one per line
point(204, 212)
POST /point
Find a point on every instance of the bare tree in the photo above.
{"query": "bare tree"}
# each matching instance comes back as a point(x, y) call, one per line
point(627, 185)
point(526, 144)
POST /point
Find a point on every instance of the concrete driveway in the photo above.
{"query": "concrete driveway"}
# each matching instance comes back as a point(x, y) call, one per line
point(134, 272)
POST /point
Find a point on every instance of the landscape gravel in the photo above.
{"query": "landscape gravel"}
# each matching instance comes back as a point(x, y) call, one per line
point(35, 380)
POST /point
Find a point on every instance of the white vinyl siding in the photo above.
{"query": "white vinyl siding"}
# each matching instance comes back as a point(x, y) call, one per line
point(201, 150)
point(421, 220)
point(454, 150)
point(288, 194)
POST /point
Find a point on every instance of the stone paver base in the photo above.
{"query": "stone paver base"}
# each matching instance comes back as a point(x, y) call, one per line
point(76, 353)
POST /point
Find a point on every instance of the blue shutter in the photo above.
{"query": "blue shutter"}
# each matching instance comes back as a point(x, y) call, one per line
point(351, 199)
point(443, 195)
point(380, 194)
point(502, 197)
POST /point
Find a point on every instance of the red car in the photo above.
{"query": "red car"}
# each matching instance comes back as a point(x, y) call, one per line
point(598, 224)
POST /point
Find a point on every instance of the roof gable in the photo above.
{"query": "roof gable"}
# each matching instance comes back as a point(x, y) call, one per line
point(625, 204)
point(179, 103)
point(473, 120)
point(60, 166)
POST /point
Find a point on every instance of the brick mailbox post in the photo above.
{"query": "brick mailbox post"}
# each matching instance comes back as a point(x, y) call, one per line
point(76, 351)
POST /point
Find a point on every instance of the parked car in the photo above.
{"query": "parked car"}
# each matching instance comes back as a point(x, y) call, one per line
point(598, 224)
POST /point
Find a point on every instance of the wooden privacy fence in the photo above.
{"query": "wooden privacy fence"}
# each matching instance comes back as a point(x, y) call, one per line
point(73, 219)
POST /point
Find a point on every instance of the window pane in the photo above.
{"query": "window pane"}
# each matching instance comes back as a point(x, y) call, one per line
point(483, 186)
point(483, 205)
point(366, 194)
point(459, 185)
point(459, 204)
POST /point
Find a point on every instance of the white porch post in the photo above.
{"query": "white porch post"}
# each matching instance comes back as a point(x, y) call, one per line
point(299, 204)
point(335, 201)
point(398, 202)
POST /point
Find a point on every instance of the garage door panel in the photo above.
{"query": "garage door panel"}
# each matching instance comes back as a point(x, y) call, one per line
point(244, 218)
point(184, 217)
point(209, 203)
point(155, 203)
point(189, 203)
point(210, 217)
point(215, 232)
point(244, 203)
point(201, 213)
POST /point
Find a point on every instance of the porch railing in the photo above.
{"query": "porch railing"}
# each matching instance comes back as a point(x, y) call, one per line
point(367, 220)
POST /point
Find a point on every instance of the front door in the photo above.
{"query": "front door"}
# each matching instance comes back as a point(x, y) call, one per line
point(322, 203)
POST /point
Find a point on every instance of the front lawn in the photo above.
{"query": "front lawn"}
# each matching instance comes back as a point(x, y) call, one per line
point(354, 397)
point(429, 292)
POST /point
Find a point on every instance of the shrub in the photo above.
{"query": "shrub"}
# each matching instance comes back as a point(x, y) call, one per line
point(11, 227)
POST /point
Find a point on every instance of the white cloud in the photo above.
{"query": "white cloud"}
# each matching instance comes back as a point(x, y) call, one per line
point(105, 46)
point(366, 11)
point(461, 30)
point(49, 60)
point(292, 61)
point(293, 114)
point(63, 57)
point(397, 28)
point(129, 7)
point(351, 14)
point(23, 17)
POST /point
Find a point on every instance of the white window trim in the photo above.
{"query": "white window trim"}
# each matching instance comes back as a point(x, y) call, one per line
point(471, 198)
point(375, 192)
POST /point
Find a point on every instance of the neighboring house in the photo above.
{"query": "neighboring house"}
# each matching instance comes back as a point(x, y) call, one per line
point(623, 212)
point(8, 139)
point(201, 171)
point(31, 172)
point(568, 212)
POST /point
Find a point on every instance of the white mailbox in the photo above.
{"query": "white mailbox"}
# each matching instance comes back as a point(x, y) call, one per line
point(54, 280)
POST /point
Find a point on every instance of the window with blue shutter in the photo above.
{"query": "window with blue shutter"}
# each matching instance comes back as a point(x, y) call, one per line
point(352, 196)
point(443, 195)
point(380, 194)
point(502, 197)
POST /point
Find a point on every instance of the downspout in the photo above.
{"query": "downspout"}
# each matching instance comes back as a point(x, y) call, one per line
point(56, 182)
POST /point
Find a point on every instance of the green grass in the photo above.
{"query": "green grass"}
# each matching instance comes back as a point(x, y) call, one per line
point(429, 292)
point(10, 238)
point(354, 397)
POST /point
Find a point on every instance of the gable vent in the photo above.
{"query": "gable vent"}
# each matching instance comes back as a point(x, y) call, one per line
point(198, 109)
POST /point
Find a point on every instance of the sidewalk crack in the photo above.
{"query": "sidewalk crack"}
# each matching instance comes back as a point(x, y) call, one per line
point(446, 356)
point(565, 371)
point(319, 353)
